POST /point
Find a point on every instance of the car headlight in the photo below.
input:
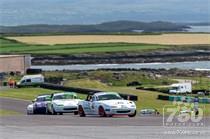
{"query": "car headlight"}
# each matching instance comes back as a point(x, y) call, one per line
point(59, 105)
point(131, 102)
point(133, 106)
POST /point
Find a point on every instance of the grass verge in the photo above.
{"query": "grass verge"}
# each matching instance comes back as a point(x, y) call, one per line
point(28, 93)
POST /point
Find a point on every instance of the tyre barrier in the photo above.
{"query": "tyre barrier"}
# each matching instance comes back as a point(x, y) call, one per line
point(33, 71)
point(184, 98)
point(162, 97)
point(83, 90)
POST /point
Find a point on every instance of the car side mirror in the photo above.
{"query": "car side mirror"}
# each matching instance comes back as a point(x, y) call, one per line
point(33, 100)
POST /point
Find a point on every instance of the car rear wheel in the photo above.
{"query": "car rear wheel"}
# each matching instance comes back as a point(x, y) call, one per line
point(28, 113)
point(60, 113)
point(81, 111)
point(132, 115)
point(101, 112)
point(53, 111)
point(76, 113)
point(48, 112)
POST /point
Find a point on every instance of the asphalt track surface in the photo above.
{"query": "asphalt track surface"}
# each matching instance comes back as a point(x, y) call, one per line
point(72, 126)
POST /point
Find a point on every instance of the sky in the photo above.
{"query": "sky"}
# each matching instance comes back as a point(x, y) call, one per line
point(23, 12)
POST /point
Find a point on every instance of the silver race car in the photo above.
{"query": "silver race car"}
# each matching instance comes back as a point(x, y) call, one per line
point(65, 102)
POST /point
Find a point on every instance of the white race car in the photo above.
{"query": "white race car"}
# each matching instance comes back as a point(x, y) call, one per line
point(106, 104)
point(65, 102)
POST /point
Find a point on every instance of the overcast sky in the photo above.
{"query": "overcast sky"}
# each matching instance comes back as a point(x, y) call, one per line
point(19, 12)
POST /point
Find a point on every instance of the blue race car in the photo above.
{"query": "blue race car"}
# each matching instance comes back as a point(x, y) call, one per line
point(39, 105)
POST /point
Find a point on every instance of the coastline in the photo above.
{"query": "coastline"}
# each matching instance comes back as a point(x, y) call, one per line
point(123, 57)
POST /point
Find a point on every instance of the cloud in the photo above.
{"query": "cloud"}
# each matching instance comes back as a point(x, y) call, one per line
point(94, 11)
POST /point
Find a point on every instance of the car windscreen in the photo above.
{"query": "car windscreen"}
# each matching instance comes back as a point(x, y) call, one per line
point(64, 96)
point(109, 97)
point(175, 88)
point(41, 99)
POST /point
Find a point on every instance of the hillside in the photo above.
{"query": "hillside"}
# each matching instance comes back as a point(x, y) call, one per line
point(107, 27)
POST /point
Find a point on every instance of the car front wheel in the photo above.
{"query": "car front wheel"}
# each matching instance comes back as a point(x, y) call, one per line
point(101, 112)
point(53, 111)
point(76, 113)
point(81, 111)
point(132, 115)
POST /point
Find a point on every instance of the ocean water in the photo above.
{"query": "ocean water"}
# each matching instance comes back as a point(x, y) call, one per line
point(205, 29)
point(197, 65)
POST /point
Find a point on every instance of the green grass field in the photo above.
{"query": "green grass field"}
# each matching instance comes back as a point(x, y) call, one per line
point(114, 78)
point(24, 93)
point(28, 93)
point(10, 46)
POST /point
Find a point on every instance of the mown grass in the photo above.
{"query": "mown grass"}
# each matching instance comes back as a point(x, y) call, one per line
point(24, 93)
point(28, 93)
point(8, 46)
point(8, 112)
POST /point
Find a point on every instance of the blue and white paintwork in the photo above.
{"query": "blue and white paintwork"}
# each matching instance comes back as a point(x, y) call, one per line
point(39, 105)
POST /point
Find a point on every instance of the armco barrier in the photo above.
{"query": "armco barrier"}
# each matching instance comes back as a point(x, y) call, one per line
point(83, 90)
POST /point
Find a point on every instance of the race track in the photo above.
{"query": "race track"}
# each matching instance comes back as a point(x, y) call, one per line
point(14, 104)
point(72, 126)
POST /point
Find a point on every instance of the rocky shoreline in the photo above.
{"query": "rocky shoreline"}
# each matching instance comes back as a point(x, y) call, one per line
point(123, 57)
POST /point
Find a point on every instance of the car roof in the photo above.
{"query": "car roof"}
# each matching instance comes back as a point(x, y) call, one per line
point(63, 93)
point(104, 93)
point(33, 76)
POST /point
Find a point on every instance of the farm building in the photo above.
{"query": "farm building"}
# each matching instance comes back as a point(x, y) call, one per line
point(14, 63)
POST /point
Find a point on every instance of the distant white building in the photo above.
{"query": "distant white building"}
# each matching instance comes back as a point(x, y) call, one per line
point(14, 63)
